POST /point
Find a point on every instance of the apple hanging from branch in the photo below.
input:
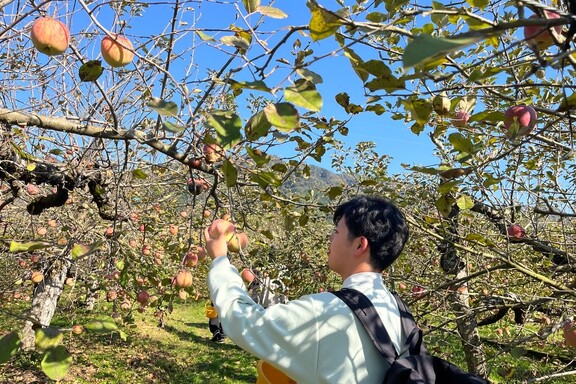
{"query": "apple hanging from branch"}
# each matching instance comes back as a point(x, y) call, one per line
point(50, 36)
point(117, 50)
point(520, 120)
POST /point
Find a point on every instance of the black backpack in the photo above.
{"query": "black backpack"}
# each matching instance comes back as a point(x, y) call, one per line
point(418, 367)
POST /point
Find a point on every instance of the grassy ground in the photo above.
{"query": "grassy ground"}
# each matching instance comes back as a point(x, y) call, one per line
point(181, 352)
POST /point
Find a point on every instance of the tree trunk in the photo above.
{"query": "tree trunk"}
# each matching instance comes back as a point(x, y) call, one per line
point(46, 295)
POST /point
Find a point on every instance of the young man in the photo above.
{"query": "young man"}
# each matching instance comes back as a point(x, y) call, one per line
point(317, 338)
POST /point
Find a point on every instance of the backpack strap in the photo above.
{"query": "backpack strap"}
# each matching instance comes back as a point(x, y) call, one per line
point(366, 313)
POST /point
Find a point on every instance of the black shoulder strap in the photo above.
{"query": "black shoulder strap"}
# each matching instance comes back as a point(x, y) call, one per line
point(366, 313)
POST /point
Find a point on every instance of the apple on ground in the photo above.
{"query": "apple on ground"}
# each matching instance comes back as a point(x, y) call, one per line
point(569, 332)
point(417, 292)
point(50, 36)
point(77, 329)
point(520, 120)
point(37, 277)
point(540, 37)
point(143, 297)
point(173, 229)
point(117, 50)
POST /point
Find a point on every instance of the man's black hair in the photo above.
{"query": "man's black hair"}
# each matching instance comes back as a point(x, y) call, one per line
point(379, 221)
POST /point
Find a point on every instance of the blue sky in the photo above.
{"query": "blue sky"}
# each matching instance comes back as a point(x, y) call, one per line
point(392, 138)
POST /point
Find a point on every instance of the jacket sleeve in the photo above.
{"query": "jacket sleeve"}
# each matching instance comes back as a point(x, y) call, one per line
point(276, 334)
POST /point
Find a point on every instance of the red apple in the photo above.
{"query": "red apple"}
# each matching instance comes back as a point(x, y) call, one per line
point(212, 152)
point(197, 186)
point(538, 36)
point(520, 120)
point(417, 292)
point(460, 119)
point(143, 297)
point(182, 294)
point(173, 229)
point(184, 279)
point(401, 286)
point(50, 36)
point(41, 231)
point(109, 231)
point(32, 189)
point(201, 252)
point(77, 329)
point(221, 227)
point(569, 332)
point(117, 50)
point(239, 241)
point(516, 232)
point(191, 259)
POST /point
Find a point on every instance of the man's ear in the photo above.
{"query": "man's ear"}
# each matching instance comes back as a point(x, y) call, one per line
point(362, 245)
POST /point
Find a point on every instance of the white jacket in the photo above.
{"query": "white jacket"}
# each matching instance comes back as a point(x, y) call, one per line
point(315, 339)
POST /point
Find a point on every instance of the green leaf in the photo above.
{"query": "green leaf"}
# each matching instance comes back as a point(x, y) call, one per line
point(79, 250)
point(481, 4)
point(425, 48)
point(272, 12)
point(251, 5)
point(139, 174)
point(461, 143)
point(257, 126)
point(323, 23)
point(235, 41)
point(312, 77)
point(259, 157)
point(163, 108)
point(283, 116)
point(104, 324)
point(56, 362)
point(230, 173)
point(465, 202)
point(29, 246)
point(90, 70)
point(9, 345)
point(204, 36)
point(174, 128)
point(517, 352)
point(426, 170)
point(305, 95)
point(47, 338)
point(255, 85)
point(266, 178)
point(334, 192)
point(227, 126)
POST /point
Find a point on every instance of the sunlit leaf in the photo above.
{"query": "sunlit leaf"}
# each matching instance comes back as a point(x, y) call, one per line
point(283, 116)
point(47, 338)
point(30, 166)
point(227, 126)
point(305, 95)
point(255, 85)
point(56, 362)
point(9, 345)
point(204, 36)
point(251, 5)
point(272, 12)
point(29, 246)
point(101, 325)
point(312, 77)
point(464, 202)
point(162, 107)
point(259, 157)
point(323, 23)
point(235, 41)
point(461, 143)
point(424, 48)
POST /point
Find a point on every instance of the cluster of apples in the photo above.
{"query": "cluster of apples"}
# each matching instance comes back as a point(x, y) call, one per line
point(52, 37)
point(519, 120)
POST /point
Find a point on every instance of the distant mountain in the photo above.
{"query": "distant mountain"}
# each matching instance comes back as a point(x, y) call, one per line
point(319, 179)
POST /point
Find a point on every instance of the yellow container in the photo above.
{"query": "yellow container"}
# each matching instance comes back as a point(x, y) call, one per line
point(267, 374)
point(211, 312)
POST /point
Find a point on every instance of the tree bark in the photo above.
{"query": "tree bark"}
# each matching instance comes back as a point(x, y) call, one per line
point(44, 301)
